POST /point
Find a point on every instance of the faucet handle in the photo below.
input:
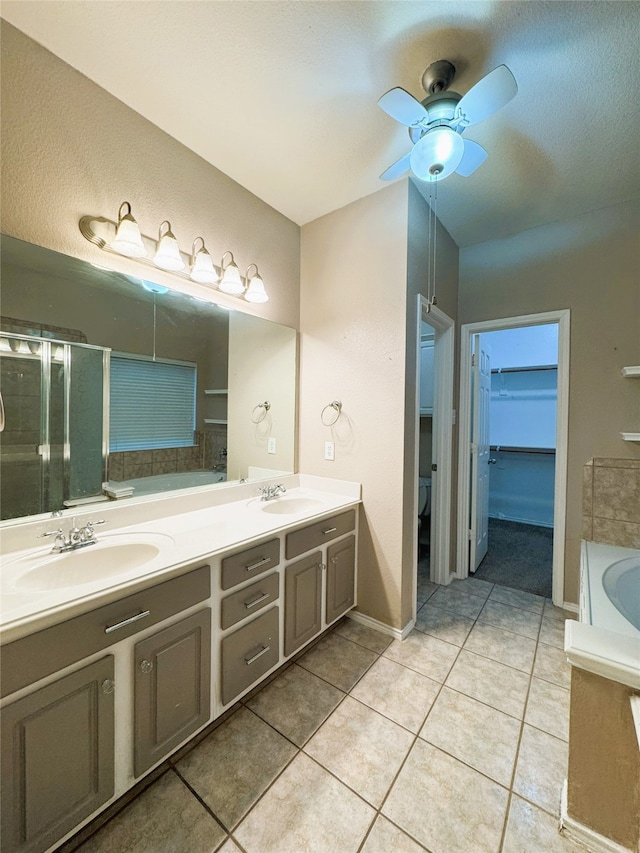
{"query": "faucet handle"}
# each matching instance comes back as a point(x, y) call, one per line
point(57, 532)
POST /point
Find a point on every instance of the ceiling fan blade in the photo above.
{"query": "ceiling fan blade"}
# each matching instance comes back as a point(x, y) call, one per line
point(396, 169)
point(473, 156)
point(402, 106)
point(488, 95)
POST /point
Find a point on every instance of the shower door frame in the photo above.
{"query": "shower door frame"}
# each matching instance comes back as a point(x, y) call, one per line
point(44, 447)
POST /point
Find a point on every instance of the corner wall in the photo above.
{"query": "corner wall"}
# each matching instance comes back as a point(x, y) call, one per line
point(352, 323)
point(590, 265)
point(69, 149)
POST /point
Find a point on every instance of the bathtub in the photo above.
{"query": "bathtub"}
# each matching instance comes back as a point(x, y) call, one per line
point(171, 482)
point(610, 588)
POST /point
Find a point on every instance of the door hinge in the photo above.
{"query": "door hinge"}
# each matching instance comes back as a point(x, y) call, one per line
point(473, 359)
point(470, 535)
point(434, 466)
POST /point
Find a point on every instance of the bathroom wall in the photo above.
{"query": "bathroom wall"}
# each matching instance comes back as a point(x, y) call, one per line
point(352, 349)
point(362, 268)
point(611, 502)
point(70, 149)
point(590, 265)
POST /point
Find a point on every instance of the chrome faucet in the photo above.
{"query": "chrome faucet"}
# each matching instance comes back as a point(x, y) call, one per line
point(76, 537)
point(270, 492)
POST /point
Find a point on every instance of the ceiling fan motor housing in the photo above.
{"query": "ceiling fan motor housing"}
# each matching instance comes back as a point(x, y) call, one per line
point(441, 110)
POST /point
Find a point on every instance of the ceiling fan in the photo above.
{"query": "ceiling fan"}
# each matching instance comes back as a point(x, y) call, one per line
point(436, 124)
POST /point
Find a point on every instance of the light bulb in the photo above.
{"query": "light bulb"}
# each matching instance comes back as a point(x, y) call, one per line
point(437, 154)
point(231, 281)
point(167, 256)
point(202, 269)
point(128, 240)
point(255, 291)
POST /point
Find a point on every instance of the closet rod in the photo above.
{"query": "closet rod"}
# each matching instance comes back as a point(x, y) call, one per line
point(498, 447)
point(524, 369)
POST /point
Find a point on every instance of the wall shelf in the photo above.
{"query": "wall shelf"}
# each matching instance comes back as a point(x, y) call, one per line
point(215, 421)
point(210, 392)
point(630, 436)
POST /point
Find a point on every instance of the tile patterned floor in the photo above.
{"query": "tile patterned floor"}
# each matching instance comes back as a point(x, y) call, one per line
point(453, 741)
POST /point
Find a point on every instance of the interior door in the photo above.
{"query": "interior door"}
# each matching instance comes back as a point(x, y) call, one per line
point(481, 395)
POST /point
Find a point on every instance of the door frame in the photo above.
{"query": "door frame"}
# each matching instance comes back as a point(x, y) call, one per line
point(467, 330)
point(442, 443)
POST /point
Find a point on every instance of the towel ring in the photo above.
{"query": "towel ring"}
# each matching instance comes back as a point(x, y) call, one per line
point(259, 412)
point(336, 405)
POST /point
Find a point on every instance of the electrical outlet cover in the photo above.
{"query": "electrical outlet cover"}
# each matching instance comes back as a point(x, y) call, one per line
point(329, 451)
point(271, 444)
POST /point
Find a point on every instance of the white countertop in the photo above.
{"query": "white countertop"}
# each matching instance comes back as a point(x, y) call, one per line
point(603, 642)
point(187, 528)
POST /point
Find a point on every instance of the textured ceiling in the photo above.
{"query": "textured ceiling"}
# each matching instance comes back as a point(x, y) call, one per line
point(282, 95)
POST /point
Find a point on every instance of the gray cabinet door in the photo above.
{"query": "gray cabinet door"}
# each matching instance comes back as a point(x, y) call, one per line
point(340, 577)
point(57, 757)
point(303, 601)
point(172, 687)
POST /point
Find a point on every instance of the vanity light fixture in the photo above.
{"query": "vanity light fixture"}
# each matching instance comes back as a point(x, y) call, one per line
point(124, 238)
point(231, 281)
point(202, 269)
point(128, 240)
point(255, 291)
point(167, 257)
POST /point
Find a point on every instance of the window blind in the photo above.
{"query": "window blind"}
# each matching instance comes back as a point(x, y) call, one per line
point(153, 403)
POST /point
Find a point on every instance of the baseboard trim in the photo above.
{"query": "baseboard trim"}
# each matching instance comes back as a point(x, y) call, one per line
point(370, 622)
point(577, 831)
point(570, 606)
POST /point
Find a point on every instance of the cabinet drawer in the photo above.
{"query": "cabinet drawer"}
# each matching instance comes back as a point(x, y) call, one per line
point(31, 658)
point(250, 563)
point(322, 531)
point(252, 599)
point(248, 653)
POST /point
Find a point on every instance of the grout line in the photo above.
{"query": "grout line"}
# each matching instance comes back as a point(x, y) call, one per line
point(202, 802)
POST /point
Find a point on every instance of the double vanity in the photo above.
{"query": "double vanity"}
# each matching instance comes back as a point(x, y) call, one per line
point(115, 654)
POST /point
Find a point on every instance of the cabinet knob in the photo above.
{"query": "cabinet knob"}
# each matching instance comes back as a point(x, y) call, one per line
point(108, 686)
point(146, 666)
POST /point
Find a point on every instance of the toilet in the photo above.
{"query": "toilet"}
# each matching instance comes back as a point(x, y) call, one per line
point(424, 512)
point(424, 497)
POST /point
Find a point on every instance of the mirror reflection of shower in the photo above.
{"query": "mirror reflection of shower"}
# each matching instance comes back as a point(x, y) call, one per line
point(427, 376)
point(53, 446)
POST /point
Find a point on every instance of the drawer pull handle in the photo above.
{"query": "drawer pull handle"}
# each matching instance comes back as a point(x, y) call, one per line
point(259, 654)
point(258, 600)
point(257, 565)
point(111, 628)
point(329, 530)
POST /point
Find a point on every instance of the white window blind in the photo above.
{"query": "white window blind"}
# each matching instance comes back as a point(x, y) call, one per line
point(153, 403)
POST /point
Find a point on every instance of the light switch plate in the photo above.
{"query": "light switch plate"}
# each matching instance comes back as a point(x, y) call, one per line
point(329, 451)
point(271, 444)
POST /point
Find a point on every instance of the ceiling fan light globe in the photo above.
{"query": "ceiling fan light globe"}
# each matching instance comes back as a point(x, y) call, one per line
point(437, 154)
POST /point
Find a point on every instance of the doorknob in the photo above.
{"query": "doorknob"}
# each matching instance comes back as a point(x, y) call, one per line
point(491, 461)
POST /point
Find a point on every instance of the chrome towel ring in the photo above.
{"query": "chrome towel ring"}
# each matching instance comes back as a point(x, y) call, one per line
point(336, 405)
point(259, 412)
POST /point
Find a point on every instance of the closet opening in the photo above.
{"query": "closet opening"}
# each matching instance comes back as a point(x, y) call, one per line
point(512, 465)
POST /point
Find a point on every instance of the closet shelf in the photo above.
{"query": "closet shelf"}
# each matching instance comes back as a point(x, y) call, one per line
point(508, 449)
point(634, 370)
point(216, 391)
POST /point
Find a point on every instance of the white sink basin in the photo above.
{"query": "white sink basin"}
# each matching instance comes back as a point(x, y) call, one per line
point(291, 505)
point(108, 559)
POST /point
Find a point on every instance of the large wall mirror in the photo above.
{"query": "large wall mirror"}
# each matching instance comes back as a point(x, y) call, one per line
point(112, 385)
